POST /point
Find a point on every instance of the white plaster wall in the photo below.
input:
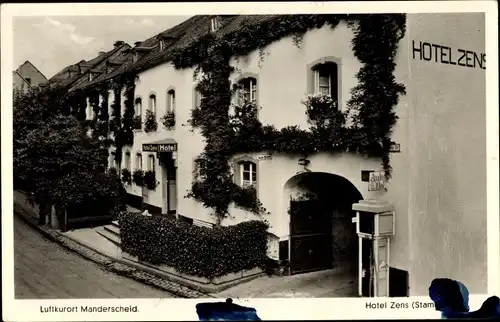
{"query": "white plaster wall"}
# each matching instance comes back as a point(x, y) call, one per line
point(282, 75)
point(282, 84)
point(190, 144)
point(274, 173)
point(447, 143)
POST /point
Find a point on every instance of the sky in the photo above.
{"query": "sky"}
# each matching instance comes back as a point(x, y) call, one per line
point(52, 43)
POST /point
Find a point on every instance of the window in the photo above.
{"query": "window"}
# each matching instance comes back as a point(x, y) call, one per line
point(151, 162)
point(112, 160)
point(248, 89)
point(138, 106)
point(152, 103)
point(214, 24)
point(197, 169)
point(90, 110)
point(138, 161)
point(326, 79)
point(248, 173)
point(171, 101)
point(197, 98)
point(128, 161)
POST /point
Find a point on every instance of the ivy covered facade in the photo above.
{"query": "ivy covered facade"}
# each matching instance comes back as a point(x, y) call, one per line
point(250, 124)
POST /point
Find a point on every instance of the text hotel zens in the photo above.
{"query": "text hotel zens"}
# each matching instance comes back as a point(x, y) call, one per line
point(393, 305)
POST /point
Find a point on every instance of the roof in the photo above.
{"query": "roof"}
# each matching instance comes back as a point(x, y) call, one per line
point(81, 68)
point(31, 64)
point(164, 141)
point(102, 66)
point(180, 36)
point(175, 33)
point(193, 29)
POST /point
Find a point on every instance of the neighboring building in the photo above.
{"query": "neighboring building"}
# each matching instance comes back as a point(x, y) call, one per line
point(438, 186)
point(73, 75)
point(27, 76)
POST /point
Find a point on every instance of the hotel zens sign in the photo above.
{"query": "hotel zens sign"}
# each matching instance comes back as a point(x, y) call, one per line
point(162, 147)
point(447, 55)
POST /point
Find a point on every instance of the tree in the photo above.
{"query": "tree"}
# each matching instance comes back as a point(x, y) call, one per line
point(55, 159)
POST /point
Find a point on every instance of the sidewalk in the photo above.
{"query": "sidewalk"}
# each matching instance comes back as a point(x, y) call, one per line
point(88, 243)
point(322, 284)
point(105, 258)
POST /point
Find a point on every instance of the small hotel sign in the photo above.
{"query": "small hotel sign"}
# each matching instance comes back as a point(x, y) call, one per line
point(265, 156)
point(163, 147)
point(376, 182)
point(395, 147)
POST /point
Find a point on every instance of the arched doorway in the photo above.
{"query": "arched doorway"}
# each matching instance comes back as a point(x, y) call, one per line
point(322, 234)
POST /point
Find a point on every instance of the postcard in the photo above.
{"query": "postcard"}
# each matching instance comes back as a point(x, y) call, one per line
point(250, 161)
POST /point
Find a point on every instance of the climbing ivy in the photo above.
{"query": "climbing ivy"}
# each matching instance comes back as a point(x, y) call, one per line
point(373, 99)
point(122, 127)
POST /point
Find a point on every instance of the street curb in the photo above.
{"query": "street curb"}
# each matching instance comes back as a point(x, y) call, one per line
point(107, 262)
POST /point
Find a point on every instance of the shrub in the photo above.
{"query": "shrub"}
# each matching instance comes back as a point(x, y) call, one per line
point(198, 251)
point(137, 122)
point(126, 176)
point(150, 180)
point(150, 124)
point(138, 177)
point(113, 171)
point(168, 120)
point(92, 195)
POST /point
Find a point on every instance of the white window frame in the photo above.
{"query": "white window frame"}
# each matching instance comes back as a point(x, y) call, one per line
point(198, 98)
point(171, 100)
point(251, 171)
point(152, 103)
point(151, 162)
point(197, 169)
point(214, 24)
point(317, 86)
point(251, 91)
point(138, 106)
point(138, 161)
point(128, 160)
point(90, 110)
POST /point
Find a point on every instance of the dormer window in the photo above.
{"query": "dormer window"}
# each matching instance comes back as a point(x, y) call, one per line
point(162, 44)
point(214, 24)
point(90, 77)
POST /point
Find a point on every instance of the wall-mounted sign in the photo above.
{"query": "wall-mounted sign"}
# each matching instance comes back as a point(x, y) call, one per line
point(395, 147)
point(446, 55)
point(162, 147)
point(376, 181)
point(266, 156)
point(365, 175)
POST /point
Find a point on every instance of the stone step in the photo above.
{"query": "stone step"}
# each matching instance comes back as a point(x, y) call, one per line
point(113, 229)
point(108, 235)
point(115, 223)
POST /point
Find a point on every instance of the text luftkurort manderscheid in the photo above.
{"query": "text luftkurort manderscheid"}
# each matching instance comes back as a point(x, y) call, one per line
point(89, 309)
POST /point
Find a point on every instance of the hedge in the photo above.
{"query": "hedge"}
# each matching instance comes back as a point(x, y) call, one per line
point(192, 250)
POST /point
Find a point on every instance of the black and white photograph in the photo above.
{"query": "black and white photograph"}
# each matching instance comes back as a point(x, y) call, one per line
point(296, 155)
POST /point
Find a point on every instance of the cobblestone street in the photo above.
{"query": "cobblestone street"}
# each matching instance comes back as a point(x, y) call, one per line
point(46, 270)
